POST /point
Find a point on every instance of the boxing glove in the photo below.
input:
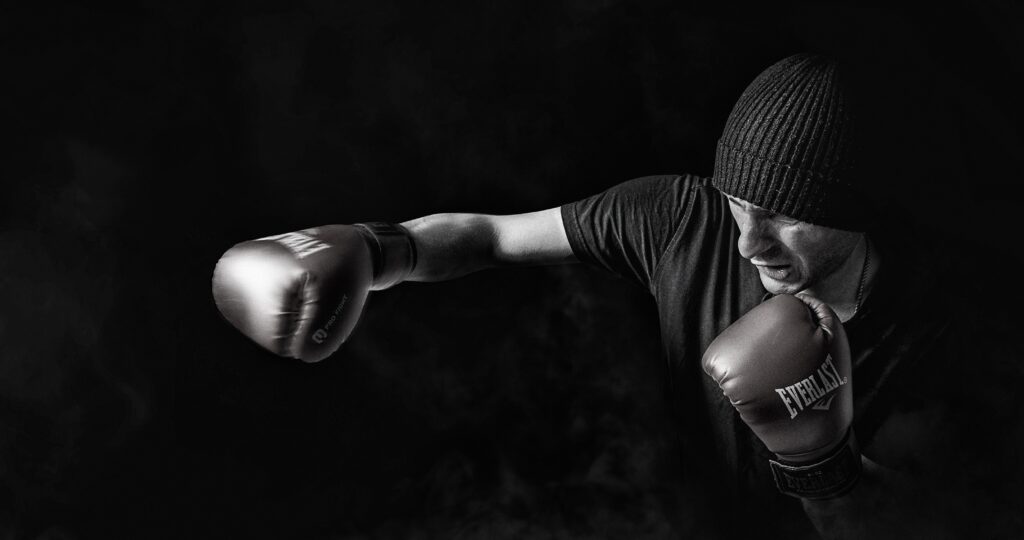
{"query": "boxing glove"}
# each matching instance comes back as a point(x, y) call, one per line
point(785, 366)
point(300, 294)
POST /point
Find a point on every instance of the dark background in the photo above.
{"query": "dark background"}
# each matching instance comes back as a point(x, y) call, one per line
point(508, 404)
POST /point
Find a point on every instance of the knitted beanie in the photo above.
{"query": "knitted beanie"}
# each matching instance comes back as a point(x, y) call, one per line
point(788, 145)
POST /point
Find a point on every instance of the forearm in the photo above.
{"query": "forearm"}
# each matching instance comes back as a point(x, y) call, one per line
point(451, 245)
point(884, 504)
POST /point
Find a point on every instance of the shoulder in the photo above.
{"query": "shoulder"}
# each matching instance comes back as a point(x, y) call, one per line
point(657, 200)
point(628, 227)
point(683, 185)
point(676, 193)
point(663, 187)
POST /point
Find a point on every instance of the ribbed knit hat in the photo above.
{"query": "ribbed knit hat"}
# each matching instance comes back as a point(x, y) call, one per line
point(788, 145)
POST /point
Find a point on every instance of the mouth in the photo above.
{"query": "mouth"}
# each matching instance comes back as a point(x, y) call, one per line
point(777, 272)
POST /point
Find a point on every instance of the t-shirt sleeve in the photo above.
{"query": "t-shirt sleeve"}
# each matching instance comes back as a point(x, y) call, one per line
point(627, 228)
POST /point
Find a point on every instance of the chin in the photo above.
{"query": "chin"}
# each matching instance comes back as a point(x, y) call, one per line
point(780, 287)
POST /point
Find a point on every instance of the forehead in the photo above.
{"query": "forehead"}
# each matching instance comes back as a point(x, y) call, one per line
point(752, 210)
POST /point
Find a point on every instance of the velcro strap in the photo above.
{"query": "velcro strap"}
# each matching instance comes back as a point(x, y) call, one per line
point(393, 252)
point(829, 477)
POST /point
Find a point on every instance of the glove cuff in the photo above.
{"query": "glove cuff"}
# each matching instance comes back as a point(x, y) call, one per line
point(830, 477)
point(393, 252)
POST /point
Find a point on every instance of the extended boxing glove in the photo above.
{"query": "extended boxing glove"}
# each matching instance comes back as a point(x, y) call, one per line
point(300, 294)
point(785, 366)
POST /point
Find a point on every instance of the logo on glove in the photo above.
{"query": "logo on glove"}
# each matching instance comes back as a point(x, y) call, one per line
point(813, 391)
point(302, 245)
point(320, 335)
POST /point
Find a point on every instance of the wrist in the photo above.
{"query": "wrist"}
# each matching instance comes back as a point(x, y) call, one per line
point(828, 477)
point(392, 250)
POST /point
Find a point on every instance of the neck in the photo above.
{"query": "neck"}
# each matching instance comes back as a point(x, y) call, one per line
point(840, 289)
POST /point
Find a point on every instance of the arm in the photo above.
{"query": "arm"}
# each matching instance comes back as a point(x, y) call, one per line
point(916, 481)
point(299, 294)
point(453, 245)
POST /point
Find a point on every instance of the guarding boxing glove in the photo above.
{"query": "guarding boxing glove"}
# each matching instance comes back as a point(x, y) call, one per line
point(300, 294)
point(785, 366)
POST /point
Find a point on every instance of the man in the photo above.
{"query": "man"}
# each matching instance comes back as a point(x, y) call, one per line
point(785, 213)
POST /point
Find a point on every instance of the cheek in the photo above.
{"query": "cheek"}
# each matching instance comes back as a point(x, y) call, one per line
point(817, 252)
point(802, 247)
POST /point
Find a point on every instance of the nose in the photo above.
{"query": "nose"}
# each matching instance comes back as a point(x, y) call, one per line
point(756, 236)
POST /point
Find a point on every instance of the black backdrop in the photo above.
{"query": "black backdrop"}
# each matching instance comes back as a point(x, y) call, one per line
point(519, 403)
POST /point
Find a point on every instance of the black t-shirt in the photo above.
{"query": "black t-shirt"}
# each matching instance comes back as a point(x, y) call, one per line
point(674, 236)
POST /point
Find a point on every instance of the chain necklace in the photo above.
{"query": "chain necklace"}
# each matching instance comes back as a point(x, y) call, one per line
point(864, 270)
point(863, 275)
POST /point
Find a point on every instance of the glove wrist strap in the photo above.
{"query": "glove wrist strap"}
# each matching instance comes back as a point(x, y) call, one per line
point(830, 477)
point(393, 252)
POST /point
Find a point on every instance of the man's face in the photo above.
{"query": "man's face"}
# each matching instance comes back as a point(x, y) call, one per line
point(790, 255)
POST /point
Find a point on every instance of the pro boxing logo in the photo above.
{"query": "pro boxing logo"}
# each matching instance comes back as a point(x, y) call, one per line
point(320, 335)
point(814, 391)
point(302, 245)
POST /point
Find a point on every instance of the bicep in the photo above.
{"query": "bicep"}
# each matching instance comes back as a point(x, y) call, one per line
point(533, 238)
